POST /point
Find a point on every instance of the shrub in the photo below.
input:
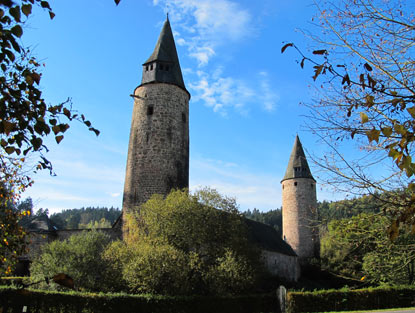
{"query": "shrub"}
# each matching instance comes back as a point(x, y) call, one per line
point(186, 244)
point(160, 269)
point(348, 300)
point(12, 300)
point(80, 257)
point(232, 274)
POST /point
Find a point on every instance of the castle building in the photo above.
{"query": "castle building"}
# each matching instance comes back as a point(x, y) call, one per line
point(158, 151)
point(299, 205)
point(158, 161)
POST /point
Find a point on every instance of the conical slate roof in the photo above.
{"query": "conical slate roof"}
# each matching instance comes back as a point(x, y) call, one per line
point(38, 224)
point(297, 165)
point(165, 53)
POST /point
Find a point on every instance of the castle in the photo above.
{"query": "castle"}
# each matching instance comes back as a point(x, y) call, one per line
point(158, 156)
point(158, 161)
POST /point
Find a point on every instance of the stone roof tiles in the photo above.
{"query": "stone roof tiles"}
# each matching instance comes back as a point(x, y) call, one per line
point(165, 53)
point(297, 165)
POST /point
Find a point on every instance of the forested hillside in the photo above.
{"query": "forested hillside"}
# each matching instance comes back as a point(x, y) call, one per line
point(90, 217)
point(104, 217)
point(327, 211)
point(357, 241)
point(272, 218)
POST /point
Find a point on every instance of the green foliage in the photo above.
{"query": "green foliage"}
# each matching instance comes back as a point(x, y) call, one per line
point(160, 269)
point(102, 223)
point(392, 262)
point(184, 245)
point(231, 274)
point(328, 211)
point(360, 247)
point(272, 218)
point(89, 217)
point(80, 257)
point(348, 240)
point(25, 120)
point(349, 300)
point(367, 95)
point(12, 300)
point(15, 281)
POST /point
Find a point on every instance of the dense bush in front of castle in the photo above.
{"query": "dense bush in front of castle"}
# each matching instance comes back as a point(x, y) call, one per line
point(183, 244)
point(80, 257)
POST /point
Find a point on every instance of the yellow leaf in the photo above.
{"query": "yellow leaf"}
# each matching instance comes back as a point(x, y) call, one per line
point(411, 111)
point(363, 117)
point(373, 135)
point(387, 131)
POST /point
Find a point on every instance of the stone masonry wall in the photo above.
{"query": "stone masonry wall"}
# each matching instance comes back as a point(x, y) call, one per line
point(281, 265)
point(158, 152)
point(299, 203)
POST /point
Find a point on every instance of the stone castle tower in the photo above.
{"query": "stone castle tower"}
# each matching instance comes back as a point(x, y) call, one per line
point(299, 203)
point(158, 151)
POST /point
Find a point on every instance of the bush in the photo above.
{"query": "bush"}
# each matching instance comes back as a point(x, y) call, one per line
point(186, 244)
point(348, 300)
point(13, 300)
point(80, 257)
point(158, 269)
point(231, 274)
point(14, 281)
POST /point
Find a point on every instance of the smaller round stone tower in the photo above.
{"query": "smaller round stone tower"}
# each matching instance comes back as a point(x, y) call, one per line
point(299, 205)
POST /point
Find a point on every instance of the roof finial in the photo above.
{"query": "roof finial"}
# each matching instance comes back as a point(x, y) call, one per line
point(167, 15)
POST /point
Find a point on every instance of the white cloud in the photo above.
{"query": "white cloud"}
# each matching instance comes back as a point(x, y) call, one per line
point(203, 25)
point(251, 189)
point(79, 183)
point(207, 24)
point(224, 93)
point(268, 97)
point(202, 54)
point(221, 17)
point(221, 93)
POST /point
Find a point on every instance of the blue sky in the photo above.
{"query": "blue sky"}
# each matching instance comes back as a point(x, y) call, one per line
point(244, 112)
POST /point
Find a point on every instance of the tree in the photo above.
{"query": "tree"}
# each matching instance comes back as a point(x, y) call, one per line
point(25, 119)
point(272, 218)
point(367, 96)
point(186, 244)
point(359, 247)
point(85, 218)
point(12, 235)
point(80, 257)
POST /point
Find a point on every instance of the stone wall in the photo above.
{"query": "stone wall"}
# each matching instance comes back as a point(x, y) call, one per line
point(36, 241)
point(158, 152)
point(281, 265)
point(299, 203)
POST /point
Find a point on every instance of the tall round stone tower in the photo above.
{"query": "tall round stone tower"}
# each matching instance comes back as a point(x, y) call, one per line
point(299, 204)
point(158, 152)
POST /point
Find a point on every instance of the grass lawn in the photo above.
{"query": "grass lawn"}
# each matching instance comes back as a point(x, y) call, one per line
point(383, 310)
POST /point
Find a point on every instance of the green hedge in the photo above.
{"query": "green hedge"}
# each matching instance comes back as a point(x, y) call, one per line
point(16, 281)
point(349, 300)
point(13, 300)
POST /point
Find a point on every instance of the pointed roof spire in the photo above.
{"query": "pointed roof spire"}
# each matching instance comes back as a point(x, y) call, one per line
point(165, 54)
point(297, 165)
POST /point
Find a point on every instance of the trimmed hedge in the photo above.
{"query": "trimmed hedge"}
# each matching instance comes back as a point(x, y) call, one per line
point(15, 281)
point(13, 300)
point(349, 300)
